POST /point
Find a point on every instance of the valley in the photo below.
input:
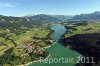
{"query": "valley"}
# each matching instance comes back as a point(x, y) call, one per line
point(23, 40)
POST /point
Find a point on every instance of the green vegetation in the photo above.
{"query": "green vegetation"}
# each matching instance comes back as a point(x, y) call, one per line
point(90, 17)
point(22, 40)
point(90, 28)
point(25, 47)
point(84, 39)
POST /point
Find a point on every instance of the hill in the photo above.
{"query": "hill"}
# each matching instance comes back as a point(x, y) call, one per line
point(48, 18)
point(84, 39)
point(43, 18)
point(95, 16)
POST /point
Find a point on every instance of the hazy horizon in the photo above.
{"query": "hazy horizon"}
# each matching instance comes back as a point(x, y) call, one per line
point(51, 7)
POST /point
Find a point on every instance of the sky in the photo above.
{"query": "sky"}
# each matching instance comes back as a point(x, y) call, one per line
point(52, 7)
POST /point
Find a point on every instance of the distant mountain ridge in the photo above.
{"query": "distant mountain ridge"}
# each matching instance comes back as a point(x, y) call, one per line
point(48, 18)
point(27, 21)
point(62, 17)
point(95, 16)
point(44, 18)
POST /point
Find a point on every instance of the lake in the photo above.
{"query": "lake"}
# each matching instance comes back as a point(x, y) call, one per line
point(58, 51)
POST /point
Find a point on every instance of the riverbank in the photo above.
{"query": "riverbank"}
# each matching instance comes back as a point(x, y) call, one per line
point(85, 40)
point(33, 61)
point(57, 50)
point(50, 45)
point(43, 49)
point(39, 60)
point(49, 35)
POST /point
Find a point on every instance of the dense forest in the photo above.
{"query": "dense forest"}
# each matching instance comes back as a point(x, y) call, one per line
point(85, 39)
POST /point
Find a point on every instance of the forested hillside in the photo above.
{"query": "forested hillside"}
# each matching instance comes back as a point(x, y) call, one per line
point(85, 39)
point(95, 16)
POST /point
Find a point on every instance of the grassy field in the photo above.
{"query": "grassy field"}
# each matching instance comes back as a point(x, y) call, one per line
point(90, 28)
point(38, 33)
point(85, 40)
point(26, 43)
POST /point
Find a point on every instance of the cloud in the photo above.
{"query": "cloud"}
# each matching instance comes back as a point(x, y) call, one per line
point(6, 5)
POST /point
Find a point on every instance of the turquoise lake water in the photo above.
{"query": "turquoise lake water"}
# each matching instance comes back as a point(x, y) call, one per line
point(58, 51)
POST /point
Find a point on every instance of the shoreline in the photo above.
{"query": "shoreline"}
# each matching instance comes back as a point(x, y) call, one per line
point(37, 60)
point(49, 45)
point(34, 61)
